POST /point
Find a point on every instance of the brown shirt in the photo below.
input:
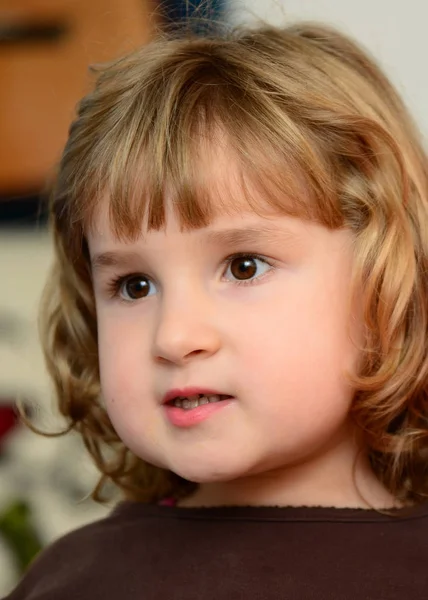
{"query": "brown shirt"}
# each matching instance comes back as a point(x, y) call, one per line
point(143, 552)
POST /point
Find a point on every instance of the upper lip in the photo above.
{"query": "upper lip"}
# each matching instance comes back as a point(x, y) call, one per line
point(190, 391)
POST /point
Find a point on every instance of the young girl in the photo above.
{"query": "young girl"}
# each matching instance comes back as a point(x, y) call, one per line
point(236, 324)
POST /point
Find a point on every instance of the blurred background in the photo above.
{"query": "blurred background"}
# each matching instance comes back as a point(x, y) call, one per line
point(45, 49)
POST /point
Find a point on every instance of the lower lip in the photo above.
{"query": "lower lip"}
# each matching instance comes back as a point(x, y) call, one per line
point(187, 418)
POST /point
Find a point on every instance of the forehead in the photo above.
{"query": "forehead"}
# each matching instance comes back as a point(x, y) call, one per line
point(241, 226)
point(236, 212)
point(218, 186)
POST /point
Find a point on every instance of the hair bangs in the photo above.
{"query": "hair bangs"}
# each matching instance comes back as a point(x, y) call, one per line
point(216, 153)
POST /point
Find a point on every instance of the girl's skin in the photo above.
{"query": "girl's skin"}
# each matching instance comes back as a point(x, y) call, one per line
point(279, 338)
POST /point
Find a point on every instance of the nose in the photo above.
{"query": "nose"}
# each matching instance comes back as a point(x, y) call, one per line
point(186, 330)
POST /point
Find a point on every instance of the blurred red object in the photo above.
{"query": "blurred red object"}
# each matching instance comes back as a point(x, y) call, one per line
point(8, 420)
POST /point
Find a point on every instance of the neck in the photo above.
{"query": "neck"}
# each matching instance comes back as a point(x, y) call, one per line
point(342, 479)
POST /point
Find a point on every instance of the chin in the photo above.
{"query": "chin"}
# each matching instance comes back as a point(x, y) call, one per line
point(209, 472)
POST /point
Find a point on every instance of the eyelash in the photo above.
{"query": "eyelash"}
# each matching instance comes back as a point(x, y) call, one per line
point(114, 286)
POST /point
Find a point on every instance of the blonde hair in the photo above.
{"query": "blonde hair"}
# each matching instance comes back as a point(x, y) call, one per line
point(302, 99)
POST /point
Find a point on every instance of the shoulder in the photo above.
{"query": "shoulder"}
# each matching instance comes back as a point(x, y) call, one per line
point(78, 560)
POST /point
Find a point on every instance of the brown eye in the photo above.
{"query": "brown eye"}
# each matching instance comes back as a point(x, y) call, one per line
point(135, 288)
point(247, 268)
point(243, 267)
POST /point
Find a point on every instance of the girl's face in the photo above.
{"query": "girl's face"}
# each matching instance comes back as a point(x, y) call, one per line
point(253, 307)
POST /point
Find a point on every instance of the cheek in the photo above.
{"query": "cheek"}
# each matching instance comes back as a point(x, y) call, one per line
point(310, 352)
point(126, 382)
point(127, 397)
point(300, 379)
point(121, 356)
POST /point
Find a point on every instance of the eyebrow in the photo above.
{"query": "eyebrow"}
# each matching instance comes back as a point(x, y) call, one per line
point(225, 238)
point(107, 260)
point(249, 235)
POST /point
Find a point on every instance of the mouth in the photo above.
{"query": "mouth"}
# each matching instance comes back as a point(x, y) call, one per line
point(190, 398)
point(190, 406)
point(195, 400)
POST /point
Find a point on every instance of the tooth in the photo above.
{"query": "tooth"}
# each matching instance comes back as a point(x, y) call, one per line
point(195, 401)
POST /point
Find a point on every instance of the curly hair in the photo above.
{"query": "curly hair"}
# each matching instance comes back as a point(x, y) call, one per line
point(304, 100)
